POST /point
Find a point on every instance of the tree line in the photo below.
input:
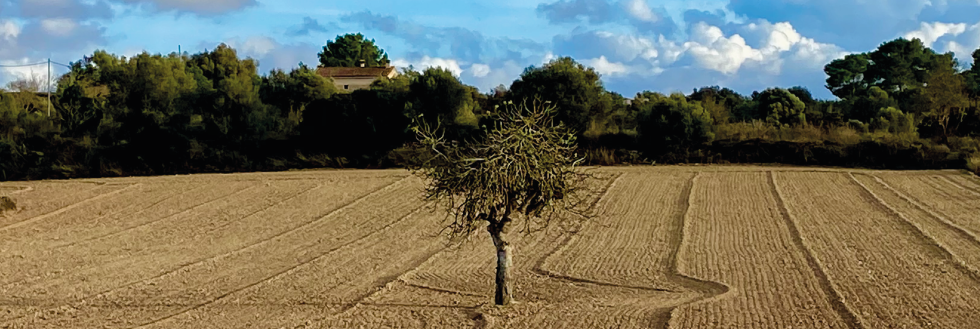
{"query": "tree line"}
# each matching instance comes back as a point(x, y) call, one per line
point(902, 105)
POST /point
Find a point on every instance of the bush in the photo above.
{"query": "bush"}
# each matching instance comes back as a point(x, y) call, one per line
point(973, 164)
point(6, 203)
point(745, 131)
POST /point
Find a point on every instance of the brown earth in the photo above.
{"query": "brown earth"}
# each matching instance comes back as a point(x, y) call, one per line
point(667, 247)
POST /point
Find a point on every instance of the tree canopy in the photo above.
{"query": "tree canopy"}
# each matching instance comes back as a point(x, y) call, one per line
point(352, 50)
point(574, 89)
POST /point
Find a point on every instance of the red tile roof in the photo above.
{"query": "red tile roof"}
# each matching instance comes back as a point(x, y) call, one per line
point(354, 72)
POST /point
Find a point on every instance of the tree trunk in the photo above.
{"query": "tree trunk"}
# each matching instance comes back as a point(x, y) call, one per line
point(503, 292)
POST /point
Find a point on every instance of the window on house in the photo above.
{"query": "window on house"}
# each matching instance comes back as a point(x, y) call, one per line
point(346, 86)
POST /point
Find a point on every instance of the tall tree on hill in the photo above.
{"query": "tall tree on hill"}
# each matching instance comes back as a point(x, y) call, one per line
point(900, 64)
point(846, 77)
point(351, 50)
point(899, 67)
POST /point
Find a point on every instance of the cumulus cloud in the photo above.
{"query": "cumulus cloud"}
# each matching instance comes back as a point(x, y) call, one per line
point(619, 47)
point(426, 62)
point(962, 44)
point(639, 9)
point(605, 67)
point(479, 70)
point(8, 30)
point(930, 32)
point(851, 24)
point(199, 7)
point(501, 73)
point(712, 50)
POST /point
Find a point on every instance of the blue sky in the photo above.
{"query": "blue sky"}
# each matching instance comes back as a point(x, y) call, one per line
point(636, 45)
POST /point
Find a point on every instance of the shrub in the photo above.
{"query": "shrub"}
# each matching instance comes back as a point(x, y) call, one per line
point(6, 203)
point(843, 135)
point(745, 131)
point(973, 164)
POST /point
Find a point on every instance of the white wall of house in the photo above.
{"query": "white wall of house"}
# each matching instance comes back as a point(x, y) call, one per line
point(350, 84)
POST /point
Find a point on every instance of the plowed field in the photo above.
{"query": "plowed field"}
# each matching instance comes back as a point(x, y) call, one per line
point(666, 247)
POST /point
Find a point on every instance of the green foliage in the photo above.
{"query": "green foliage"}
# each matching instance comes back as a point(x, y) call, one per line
point(848, 77)
point(780, 107)
point(292, 93)
point(670, 123)
point(896, 66)
point(894, 121)
point(440, 98)
point(574, 89)
point(946, 96)
point(352, 50)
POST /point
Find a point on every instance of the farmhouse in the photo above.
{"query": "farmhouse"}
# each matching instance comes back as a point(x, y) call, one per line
point(352, 78)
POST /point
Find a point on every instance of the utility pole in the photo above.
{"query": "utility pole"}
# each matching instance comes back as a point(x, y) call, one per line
point(49, 87)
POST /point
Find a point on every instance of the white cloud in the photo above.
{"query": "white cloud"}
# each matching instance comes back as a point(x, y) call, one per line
point(479, 70)
point(641, 11)
point(425, 62)
point(9, 30)
point(629, 47)
point(605, 67)
point(550, 56)
point(929, 33)
point(259, 45)
point(500, 74)
point(712, 50)
point(812, 53)
point(59, 26)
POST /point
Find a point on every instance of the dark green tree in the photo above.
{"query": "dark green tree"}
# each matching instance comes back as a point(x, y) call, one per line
point(292, 93)
point(847, 77)
point(672, 123)
point(441, 98)
point(352, 50)
point(946, 95)
point(575, 90)
point(780, 107)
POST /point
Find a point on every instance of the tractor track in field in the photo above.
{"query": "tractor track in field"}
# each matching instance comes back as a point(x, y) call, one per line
point(151, 222)
point(290, 269)
point(61, 210)
point(833, 295)
point(966, 233)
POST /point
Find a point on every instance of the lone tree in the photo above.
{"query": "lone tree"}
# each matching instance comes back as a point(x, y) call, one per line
point(521, 169)
point(352, 50)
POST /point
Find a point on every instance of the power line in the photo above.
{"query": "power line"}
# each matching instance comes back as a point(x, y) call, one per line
point(25, 65)
point(33, 64)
